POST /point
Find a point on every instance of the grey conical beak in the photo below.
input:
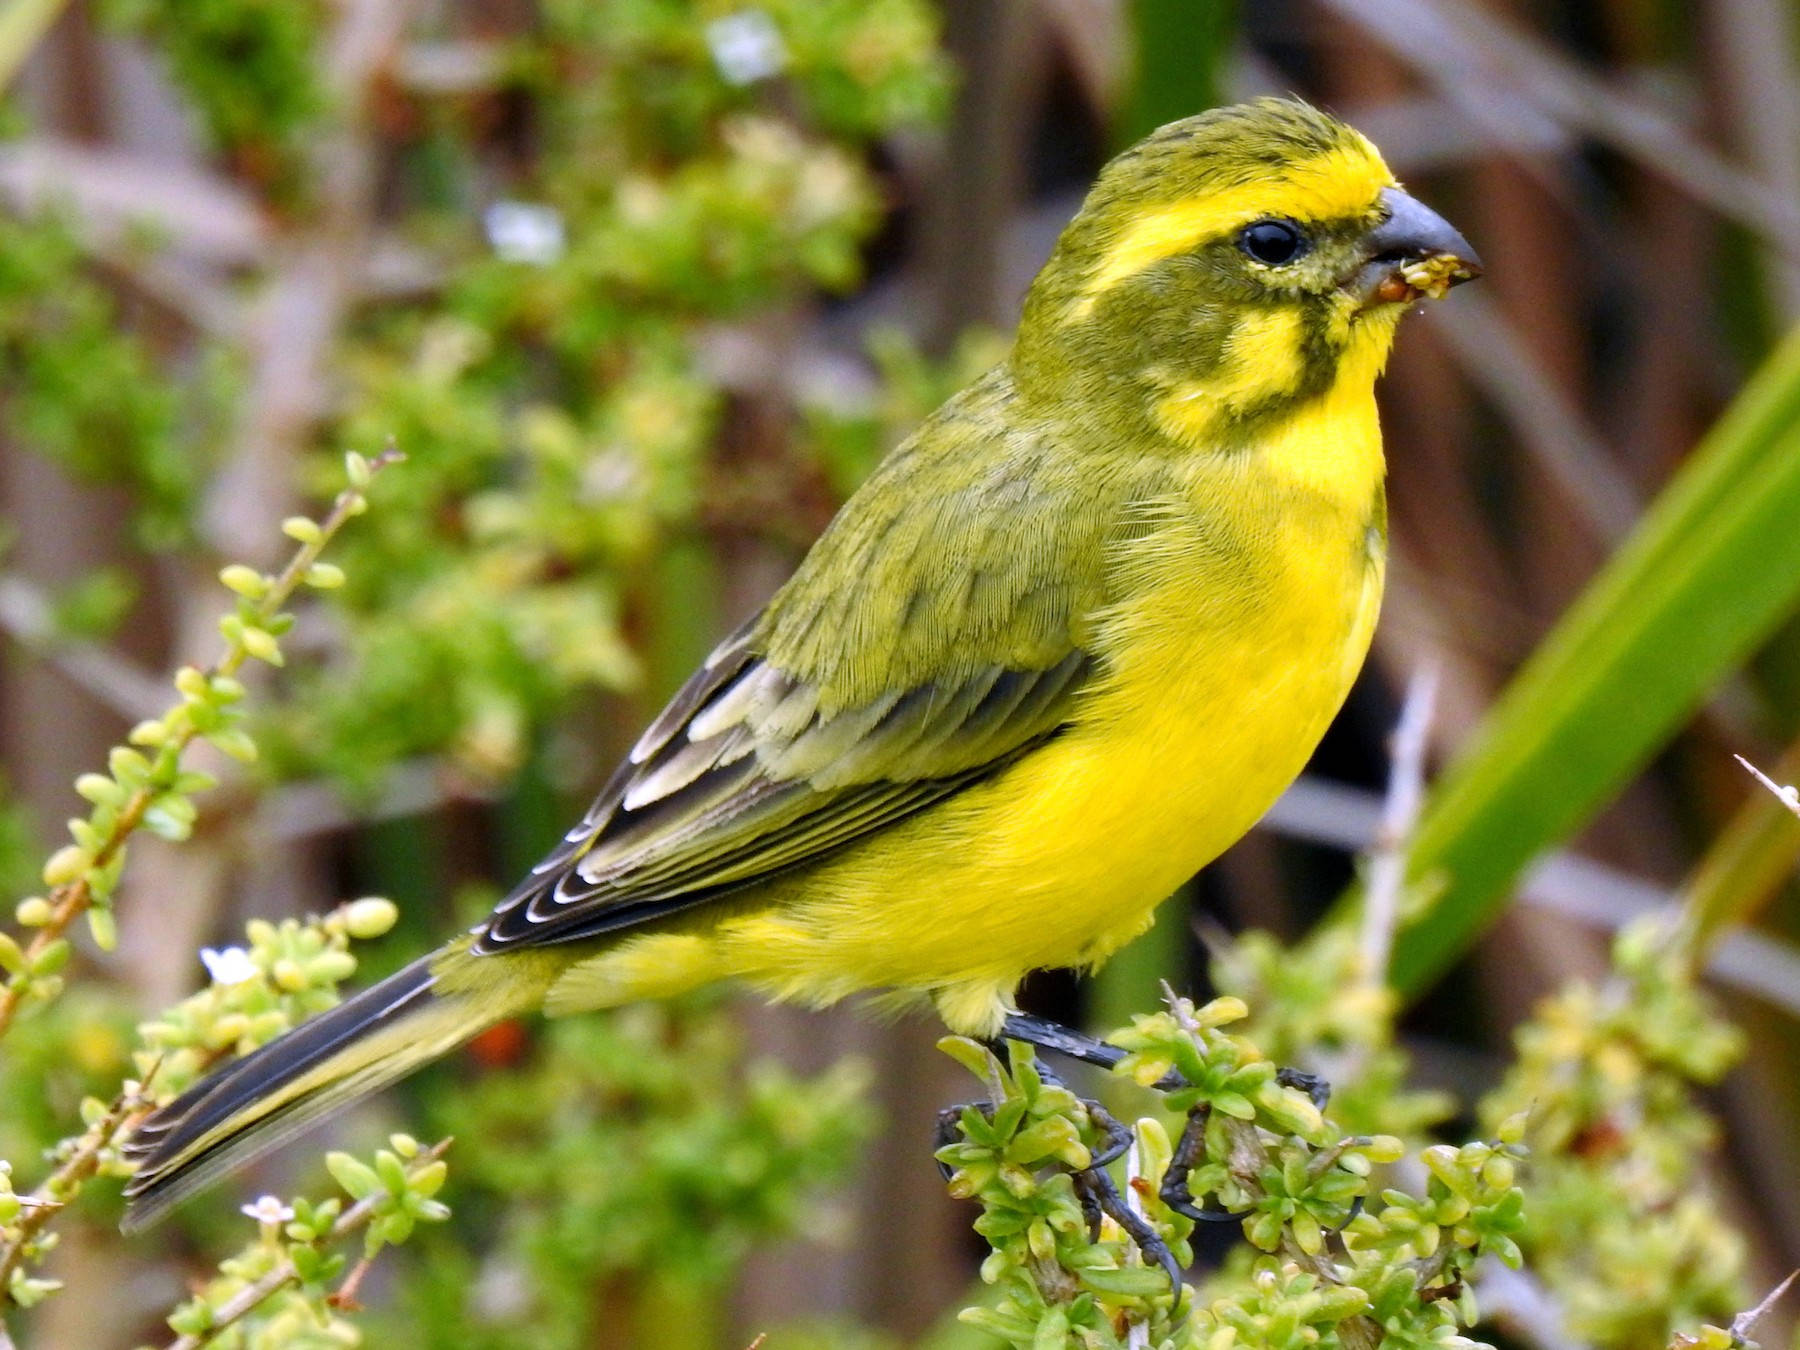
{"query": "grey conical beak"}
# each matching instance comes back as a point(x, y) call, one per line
point(1414, 244)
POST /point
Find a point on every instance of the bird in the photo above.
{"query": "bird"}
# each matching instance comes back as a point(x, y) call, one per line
point(1066, 644)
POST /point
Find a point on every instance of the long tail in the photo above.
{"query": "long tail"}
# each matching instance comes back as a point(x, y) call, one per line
point(264, 1099)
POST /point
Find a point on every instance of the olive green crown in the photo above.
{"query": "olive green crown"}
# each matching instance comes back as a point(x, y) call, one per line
point(1210, 151)
point(1218, 148)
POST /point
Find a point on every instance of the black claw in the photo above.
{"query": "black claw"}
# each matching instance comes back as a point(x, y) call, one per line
point(1310, 1083)
point(1091, 1210)
point(1099, 1191)
point(1118, 1138)
point(1174, 1192)
point(1095, 1190)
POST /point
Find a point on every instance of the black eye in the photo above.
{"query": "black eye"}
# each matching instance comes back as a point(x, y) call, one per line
point(1273, 241)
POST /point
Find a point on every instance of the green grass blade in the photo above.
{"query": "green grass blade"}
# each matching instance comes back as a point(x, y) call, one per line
point(1710, 571)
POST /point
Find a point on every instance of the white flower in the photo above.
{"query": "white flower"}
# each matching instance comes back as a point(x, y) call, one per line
point(746, 46)
point(525, 232)
point(228, 965)
point(268, 1210)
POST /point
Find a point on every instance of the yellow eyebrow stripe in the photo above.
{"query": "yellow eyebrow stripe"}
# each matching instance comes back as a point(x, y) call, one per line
point(1341, 182)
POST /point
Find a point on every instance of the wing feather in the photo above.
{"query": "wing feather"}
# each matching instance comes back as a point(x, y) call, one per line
point(931, 637)
point(671, 834)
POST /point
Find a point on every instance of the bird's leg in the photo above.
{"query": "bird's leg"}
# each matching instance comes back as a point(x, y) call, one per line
point(1054, 1036)
point(1047, 1035)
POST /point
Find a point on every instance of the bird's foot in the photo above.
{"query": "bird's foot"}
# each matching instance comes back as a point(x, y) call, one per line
point(1099, 1195)
point(1175, 1192)
point(1053, 1036)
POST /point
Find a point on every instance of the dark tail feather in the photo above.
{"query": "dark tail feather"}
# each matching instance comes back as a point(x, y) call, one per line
point(264, 1099)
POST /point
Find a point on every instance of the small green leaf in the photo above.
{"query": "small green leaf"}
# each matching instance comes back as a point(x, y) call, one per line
point(356, 1177)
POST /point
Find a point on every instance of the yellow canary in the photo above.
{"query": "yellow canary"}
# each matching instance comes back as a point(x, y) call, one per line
point(1066, 645)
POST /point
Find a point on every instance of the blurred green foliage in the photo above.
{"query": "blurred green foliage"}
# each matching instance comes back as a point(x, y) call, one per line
point(1624, 1230)
point(250, 72)
point(20, 852)
point(87, 391)
point(619, 1175)
point(554, 392)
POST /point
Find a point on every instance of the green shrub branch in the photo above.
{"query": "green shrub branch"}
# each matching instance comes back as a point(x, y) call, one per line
point(1339, 1261)
point(390, 1196)
point(290, 970)
point(152, 790)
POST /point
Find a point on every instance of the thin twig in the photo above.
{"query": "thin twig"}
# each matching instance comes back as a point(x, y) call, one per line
point(1399, 817)
point(44, 1203)
point(343, 1297)
point(210, 223)
point(246, 1300)
point(1745, 1322)
point(1787, 796)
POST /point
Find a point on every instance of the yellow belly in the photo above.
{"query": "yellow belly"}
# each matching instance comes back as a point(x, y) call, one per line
point(1215, 693)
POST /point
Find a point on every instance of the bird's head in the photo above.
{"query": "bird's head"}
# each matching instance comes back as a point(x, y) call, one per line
point(1232, 265)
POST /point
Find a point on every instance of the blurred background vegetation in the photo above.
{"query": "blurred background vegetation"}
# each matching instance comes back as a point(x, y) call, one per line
point(642, 288)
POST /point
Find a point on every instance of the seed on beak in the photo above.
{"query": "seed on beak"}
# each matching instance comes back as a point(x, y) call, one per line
point(1435, 275)
point(1393, 290)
